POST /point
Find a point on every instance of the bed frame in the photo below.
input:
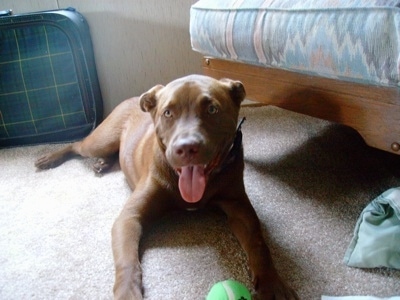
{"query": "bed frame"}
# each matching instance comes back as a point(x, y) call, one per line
point(373, 111)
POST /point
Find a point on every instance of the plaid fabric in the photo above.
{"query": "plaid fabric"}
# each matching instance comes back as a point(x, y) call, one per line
point(40, 90)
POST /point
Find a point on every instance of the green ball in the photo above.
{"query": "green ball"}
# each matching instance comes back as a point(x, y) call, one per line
point(229, 290)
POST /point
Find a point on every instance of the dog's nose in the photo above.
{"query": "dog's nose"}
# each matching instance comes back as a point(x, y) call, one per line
point(187, 148)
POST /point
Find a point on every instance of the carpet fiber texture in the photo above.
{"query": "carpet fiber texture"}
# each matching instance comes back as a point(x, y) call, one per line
point(308, 180)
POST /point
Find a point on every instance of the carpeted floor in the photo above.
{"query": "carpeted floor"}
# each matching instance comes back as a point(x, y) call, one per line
point(308, 180)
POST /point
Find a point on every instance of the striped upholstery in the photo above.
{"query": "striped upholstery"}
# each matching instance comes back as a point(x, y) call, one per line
point(355, 40)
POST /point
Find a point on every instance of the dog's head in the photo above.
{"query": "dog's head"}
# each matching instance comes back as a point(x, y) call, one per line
point(195, 120)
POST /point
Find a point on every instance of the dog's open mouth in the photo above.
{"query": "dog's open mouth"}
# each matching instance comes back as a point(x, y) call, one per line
point(192, 182)
point(193, 178)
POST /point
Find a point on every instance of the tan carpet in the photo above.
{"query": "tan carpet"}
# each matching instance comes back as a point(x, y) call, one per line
point(308, 180)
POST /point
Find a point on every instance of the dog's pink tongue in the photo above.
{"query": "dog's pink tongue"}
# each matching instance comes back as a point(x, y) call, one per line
point(192, 183)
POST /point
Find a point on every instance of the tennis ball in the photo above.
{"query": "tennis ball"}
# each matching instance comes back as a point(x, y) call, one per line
point(229, 290)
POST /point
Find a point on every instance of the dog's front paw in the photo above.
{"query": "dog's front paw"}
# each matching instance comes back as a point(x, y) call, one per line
point(276, 290)
point(128, 283)
point(131, 293)
point(127, 291)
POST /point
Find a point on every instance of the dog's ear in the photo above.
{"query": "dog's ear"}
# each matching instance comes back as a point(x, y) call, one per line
point(236, 90)
point(148, 100)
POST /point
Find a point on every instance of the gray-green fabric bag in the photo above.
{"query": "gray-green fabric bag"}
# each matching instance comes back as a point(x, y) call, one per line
point(376, 241)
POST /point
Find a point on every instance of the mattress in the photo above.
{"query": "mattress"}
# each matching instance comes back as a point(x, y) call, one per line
point(354, 40)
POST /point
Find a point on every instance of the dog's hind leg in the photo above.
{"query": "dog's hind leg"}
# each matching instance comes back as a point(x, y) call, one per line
point(102, 143)
point(54, 159)
point(97, 145)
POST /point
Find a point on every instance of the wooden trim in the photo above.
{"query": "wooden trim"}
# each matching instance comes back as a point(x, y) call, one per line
point(373, 111)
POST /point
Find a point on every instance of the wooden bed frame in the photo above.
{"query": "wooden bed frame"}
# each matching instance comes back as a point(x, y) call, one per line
point(371, 110)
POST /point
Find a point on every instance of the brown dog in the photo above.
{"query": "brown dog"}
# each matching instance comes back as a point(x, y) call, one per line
point(188, 155)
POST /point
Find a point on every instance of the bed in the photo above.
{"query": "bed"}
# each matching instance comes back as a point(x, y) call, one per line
point(337, 60)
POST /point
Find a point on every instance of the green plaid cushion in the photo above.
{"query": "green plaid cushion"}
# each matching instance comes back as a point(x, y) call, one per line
point(40, 91)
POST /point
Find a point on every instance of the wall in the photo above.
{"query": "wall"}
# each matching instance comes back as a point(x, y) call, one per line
point(137, 43)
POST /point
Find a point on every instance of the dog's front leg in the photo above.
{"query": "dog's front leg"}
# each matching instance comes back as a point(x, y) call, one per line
point(136, 215)
point(126, 234)
point(245, 224)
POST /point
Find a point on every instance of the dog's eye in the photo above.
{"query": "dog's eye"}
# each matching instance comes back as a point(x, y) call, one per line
point(167, 113)
point(212, 109)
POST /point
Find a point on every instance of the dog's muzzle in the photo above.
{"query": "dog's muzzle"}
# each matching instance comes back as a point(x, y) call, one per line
point(193, 177)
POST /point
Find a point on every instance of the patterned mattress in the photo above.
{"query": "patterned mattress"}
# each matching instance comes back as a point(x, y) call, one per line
point(355, 40)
